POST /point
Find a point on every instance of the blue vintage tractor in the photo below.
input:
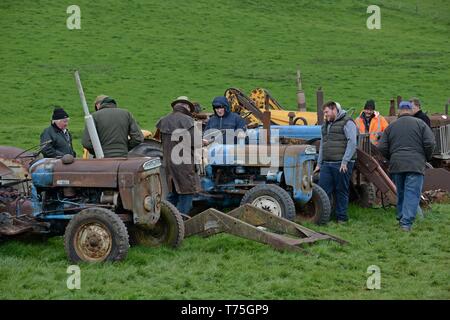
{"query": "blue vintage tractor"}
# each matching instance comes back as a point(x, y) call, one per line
point(236, 174)
point(240, 174)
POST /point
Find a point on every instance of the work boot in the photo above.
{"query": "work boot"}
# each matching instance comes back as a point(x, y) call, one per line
point(405, 228)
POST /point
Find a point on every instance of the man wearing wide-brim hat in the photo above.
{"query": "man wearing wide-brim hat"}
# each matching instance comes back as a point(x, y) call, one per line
point(179, 155)
point(56, 139)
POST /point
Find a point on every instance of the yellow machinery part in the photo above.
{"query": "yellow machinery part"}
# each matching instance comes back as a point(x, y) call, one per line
point(259, 98)
point(281, 118)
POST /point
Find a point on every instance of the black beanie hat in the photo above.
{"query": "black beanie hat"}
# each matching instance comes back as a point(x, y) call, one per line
point(59, 113)
point(370, 105)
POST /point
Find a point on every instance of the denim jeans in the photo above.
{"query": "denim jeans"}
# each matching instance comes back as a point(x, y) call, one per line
point(183, 202)
point(337, 183)
point(409, 189)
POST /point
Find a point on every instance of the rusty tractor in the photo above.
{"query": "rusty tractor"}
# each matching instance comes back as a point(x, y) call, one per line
point(98, 204)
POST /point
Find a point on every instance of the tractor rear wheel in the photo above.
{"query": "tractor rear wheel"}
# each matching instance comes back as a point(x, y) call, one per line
point(271, 198)
point(318, 209)
point(169, 230)
point(96, 235)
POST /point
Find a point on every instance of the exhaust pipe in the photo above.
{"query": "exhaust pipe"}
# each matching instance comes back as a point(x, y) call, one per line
point(89, 120)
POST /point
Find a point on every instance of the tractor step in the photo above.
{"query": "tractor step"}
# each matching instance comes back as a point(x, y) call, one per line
point(255, 224)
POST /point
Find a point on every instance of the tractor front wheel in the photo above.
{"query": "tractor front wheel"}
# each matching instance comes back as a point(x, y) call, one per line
point(271, 198)
point(96, 235)
point(318, 209)
point(169, 230)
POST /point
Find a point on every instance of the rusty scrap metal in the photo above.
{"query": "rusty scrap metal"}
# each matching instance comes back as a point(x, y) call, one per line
point(255, 224)
point(436, 178)
point(437, 196)
point(373, 172)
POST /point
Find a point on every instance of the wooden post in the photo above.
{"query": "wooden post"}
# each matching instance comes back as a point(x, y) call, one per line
point(392, 111)
point(319, 95)
point(301, 100)
point(399, 99)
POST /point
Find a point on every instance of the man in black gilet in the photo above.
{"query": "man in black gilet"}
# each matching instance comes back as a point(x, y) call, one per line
point(337, 155)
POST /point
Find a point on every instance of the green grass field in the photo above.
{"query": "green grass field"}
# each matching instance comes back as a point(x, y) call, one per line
point(146, 54)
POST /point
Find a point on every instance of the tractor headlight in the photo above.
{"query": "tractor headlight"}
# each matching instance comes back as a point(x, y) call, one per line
point(310, 150)
point(152, 164)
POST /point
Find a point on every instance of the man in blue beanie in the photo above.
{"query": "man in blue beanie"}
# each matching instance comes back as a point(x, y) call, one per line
point(224, 119)
point(407, 143)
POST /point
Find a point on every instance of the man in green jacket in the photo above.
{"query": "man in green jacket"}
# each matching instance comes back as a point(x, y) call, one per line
point(56, 139)
point(117, 130)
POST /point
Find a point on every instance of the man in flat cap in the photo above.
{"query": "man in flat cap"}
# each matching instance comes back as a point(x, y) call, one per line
point(98, 101)
point(177, 132)
point(408, 143)
point(56, 139)
point(117, 130)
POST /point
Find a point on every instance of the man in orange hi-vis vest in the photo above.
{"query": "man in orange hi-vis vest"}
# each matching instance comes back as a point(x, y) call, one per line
point(370, 121)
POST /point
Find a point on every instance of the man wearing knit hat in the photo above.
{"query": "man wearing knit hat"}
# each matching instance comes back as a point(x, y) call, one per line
point(56, 139)
point(371, 122)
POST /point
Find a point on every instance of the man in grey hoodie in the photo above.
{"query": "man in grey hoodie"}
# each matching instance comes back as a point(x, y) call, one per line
point(337, 155)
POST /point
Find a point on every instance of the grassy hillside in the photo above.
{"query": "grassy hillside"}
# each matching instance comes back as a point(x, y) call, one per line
point(146, 53)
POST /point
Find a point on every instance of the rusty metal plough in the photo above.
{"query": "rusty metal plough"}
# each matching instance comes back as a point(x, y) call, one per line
point(255, 224)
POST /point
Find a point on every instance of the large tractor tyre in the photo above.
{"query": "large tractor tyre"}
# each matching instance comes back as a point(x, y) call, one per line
point(169, 230)
point(271, 198)
point(318, 209)
point(367, 195)
point(148, 148)
point(96, 235)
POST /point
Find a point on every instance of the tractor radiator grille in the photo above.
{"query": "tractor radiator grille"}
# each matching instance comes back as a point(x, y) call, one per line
point(442, 135)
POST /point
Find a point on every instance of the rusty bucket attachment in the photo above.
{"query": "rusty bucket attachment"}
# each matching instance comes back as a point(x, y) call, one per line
point(255, 224)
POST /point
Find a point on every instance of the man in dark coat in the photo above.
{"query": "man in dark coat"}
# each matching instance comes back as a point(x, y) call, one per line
point(56, 139)
point(224, 119)
point(117, 130)
point(408, 143)
point(178, 136)
point(417, 111)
